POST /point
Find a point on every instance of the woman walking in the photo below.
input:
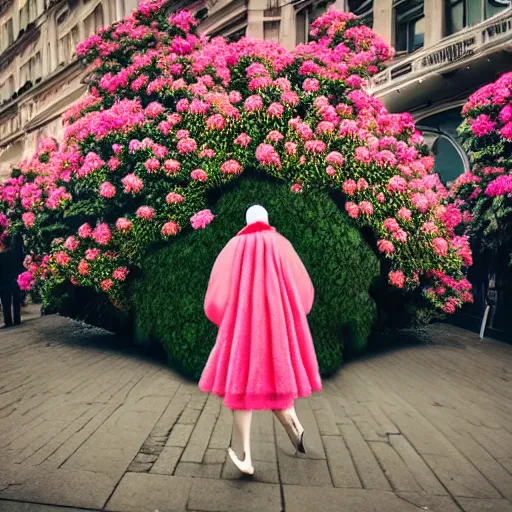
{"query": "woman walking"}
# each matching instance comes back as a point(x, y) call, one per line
point(259, 296)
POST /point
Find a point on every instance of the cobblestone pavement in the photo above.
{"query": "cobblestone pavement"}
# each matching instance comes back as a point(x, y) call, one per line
point(87, 424)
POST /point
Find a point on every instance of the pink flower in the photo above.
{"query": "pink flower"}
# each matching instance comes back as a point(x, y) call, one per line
point(362, 184)
point(397, 184)
point(421, 202)
point(187, 145)
point(440, 246)
point(349, 187)
point(397, 278)
point(362, 155)
point(123, 224)
point(266, 155)
point(405, 214)
point(182, 105)
point(101, 234)
point(482, 125)
point(275, 109)
point(107, 284)
point(171, 166)
point(170, 229)
point(311, 85)
point(117, 148)
point(381, 197)
point(154, 109)
point(400, 235)
point(500, 186)
point(62, 258)
point(145, 212)
point(174, 198)
point(152, 165)
point(385, 246)
point(84, 231)
point(201, 219)
point(92, 254)
point(352, 209)
point(181, 134)
point(506, 114)
point(107, 190)
point(243, 140)
point(275, 136)
point(290, 98)
point(120, 273)
point(29, 219)
point(316, 146)
point(26, 281)
point(366, 207)
point(207, 153)
point(253, 103)
point(132, 183)
point(71, 243)
point(83, 268)
point(330, 170)
point(391, 224)
point(235, 97)
point(290, 148)
point(231, 167)
point(199, 175)
point(114, 163)
point(429, 227)
point(297, 188)
point(335, 158)
point(215, 122)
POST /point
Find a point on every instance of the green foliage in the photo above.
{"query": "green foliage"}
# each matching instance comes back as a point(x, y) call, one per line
point(168, 300)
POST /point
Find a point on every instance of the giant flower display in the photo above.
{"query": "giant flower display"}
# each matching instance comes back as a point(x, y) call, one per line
point(484, 193)
point(171, 115)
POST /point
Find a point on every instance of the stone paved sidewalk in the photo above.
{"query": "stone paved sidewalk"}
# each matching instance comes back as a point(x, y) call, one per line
point(87, 424)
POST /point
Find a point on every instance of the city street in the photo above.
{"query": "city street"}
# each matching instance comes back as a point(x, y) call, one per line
point(88, 424)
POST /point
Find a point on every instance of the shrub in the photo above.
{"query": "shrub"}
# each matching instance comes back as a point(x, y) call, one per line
point(171, 116)
point(168, 300)
point(484, 193)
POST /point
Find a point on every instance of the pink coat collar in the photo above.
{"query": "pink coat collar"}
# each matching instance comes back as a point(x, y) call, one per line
point(256, 228)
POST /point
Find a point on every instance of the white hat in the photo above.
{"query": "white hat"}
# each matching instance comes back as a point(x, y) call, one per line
point(256, 213)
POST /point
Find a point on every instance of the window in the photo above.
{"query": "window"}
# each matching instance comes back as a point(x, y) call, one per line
point(363, 9)
point(466, 13)
point(271, 30)
point(94, 21)
point(305, 18)
point(9, 31)
point(409, 25)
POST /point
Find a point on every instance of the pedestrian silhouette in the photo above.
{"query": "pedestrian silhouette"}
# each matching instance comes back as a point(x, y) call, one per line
point(11, 266)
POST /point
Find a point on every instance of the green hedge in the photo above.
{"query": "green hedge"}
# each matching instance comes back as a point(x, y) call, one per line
point(168, 299)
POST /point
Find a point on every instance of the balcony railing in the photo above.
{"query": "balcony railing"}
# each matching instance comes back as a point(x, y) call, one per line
point(461, 46)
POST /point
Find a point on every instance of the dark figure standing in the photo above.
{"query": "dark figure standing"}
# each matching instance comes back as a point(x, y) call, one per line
point(11, 266)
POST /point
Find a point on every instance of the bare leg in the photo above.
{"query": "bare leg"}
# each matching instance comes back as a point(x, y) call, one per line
point(242, 423)
point(293, 427)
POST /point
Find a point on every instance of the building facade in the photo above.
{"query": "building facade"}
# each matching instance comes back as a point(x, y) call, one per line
point(446, 49)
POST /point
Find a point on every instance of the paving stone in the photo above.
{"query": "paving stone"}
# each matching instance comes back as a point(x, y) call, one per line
point(324, 499)
point(17, 506)
point(214, 456)
point(264, 451)
point(324, 416)
point(139, 467)
point(366, 464)
point(264, 471)
point(198, 442)
point(193, 469)
point(167, 461)
point(339, 460)
point(301, 471)
point(394, 468)
point(147, 493)
point(82, 489)
point(180, 434)
point(144, 457)
point(189, 416)
point(417, 466)
point(479, 505)
point(234, 496)
point(429, 502)
point(221, 436)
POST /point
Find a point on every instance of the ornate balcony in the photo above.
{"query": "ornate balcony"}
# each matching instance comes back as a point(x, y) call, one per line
point(430, 68)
